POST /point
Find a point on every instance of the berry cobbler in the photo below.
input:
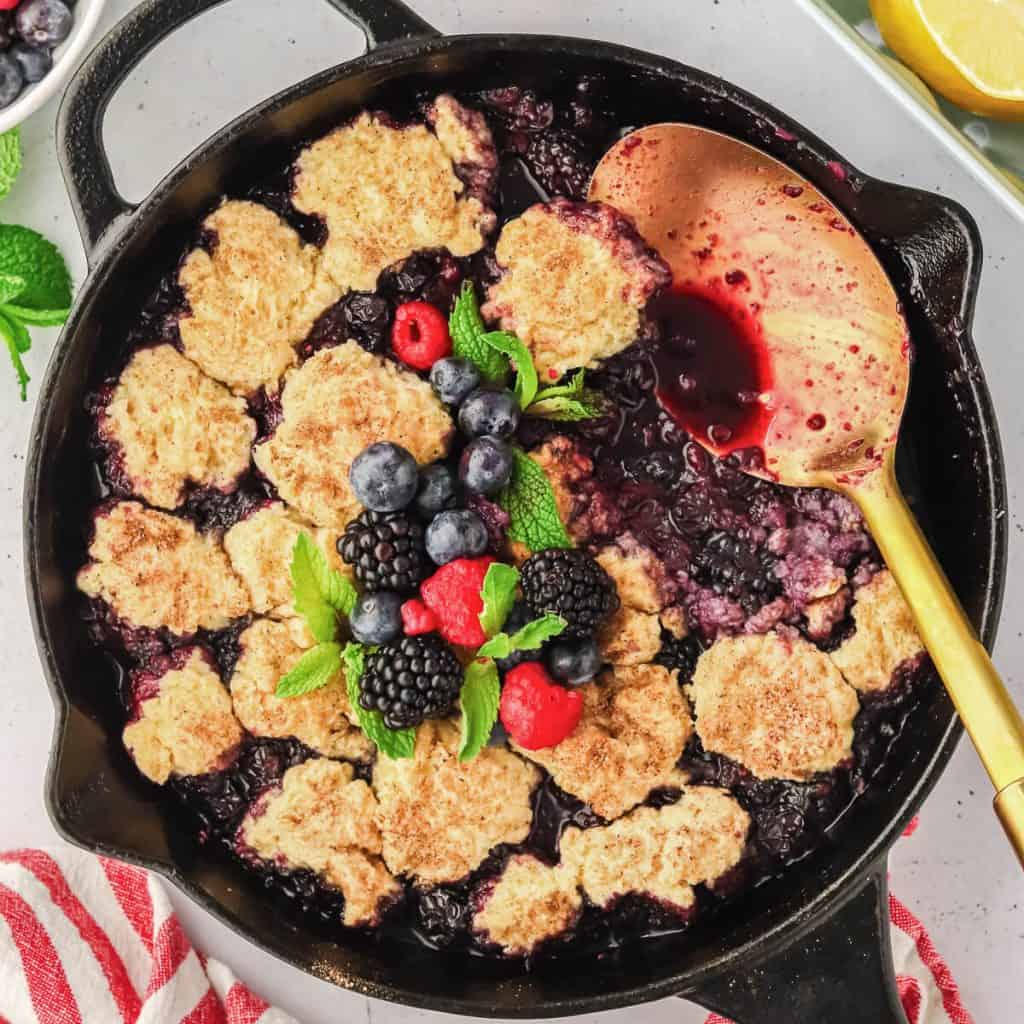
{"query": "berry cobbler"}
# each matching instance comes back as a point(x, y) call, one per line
point(427, 610)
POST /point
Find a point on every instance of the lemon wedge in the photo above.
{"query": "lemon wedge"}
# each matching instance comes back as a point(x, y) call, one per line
point(970, 51)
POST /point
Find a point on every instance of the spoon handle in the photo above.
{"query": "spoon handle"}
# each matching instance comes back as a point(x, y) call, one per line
point(981, 699)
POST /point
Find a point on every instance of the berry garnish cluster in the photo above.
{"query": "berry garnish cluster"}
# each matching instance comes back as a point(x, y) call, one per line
point(29, 30)
point(438, 623)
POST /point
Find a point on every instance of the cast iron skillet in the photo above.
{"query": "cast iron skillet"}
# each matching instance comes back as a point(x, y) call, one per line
point(811, 946)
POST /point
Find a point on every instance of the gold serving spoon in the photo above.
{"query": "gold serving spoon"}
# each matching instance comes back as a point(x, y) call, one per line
point(824, 371)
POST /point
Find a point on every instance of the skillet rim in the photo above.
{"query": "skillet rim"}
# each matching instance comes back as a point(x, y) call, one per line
point(104, 260)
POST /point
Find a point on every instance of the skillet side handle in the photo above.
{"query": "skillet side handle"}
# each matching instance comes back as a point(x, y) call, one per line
point(841, 972)
point(97, 204)
point(384, 21)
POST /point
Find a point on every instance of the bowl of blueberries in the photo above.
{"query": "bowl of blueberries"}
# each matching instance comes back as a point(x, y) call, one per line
point(41, 42)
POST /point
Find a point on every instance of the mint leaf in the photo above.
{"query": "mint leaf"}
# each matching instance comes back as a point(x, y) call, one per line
point(499, 646)
point(531, 507)
point(499, 594)
point(319, 593)
point(10, 160)
point(313, 670)
point(14, 340)
point(25, 253)
point(526, 373)
point(11, 285)
point(571, 390)
point(467, 331)
point(35, 317)
point(567, 402)
point(532, 636)
point(398, 744)
point(479, 699)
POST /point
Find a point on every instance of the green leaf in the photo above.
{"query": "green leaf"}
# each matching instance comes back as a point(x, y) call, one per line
point(22, 339)
point(11, 285)
point(526, 373)
point(313, 670)
point(531, 507)
point(571, 390)
point(319, 593)
point(398, 744)
point(10, 160)
point(563, 409)
point(25, 253)
point(532, 636)
point(479, 699)
point(36, 317)
point(499, 594)
point(12, 338)
point(499, 646)
point(467, 331)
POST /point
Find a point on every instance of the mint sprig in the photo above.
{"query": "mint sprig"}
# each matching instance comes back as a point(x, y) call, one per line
point(398, 744)
point(567, 402)
point(35, 286)
point(314, 669)
point(498, 594)
point(320, 594)
point(531, 637)
point(479, 700)
point(532, 510)
point(525, 386)
point(467, 330)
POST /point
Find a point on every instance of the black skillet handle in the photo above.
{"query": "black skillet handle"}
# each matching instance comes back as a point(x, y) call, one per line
point(838, 973)
point(97, 204)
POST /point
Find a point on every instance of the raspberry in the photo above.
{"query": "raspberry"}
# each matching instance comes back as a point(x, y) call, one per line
point(453, 595)
point(536, 711)
point(417, 618)
point(420, 335)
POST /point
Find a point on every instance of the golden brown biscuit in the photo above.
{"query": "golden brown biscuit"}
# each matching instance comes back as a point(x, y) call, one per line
point(886, 635)
point(776, 704)
point(576, 278)
point(336, 404)
point(261, 547)
point(661, 852)
point(322, 719)
point(175, 426)
point(155, 570)
point(630, 637)
point(386, 192)
point(529, 903)
point(322, 818)
point(439, 817)
point(186, 727)
point(253, 299)
point(634, 726)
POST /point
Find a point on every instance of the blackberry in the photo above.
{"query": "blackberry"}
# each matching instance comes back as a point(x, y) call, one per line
point(571, 584)
point(679, 656)
point(734, 569)
point(559, 163)
point(386, 550)
point(414, 678)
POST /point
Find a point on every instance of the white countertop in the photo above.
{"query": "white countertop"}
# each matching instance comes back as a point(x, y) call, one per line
point(956, 873)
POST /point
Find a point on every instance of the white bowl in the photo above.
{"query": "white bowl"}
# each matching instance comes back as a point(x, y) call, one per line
point(65, 60)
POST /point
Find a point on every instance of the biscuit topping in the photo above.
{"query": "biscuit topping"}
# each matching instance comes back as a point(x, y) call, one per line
point(175, 426)
point(775, 704)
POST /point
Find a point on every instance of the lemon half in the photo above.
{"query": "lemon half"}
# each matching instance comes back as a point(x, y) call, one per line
point(970, 51)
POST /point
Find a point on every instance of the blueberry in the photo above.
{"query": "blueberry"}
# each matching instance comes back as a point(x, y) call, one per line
point(574, 661)
point(377, 618)
point(489, 411)
point(385, 477)
point(35, 63)
point(436, 491)
point(453, 379)
point(486, 465)
point(43, 22)
point(12, 81)
point(456, 534)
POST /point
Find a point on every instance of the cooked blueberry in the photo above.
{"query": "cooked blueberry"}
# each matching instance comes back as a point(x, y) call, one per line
point(437, 490)
point(385, 477)
point(458, 533)
point(486, 465)
point(12, 81)
point(489, 411)
point(453, 378)
point(574, 661)
point(35, 63)
point(43, 22)
point(377, 618)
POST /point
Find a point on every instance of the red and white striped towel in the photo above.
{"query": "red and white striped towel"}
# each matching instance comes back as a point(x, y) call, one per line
point(86, 940)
